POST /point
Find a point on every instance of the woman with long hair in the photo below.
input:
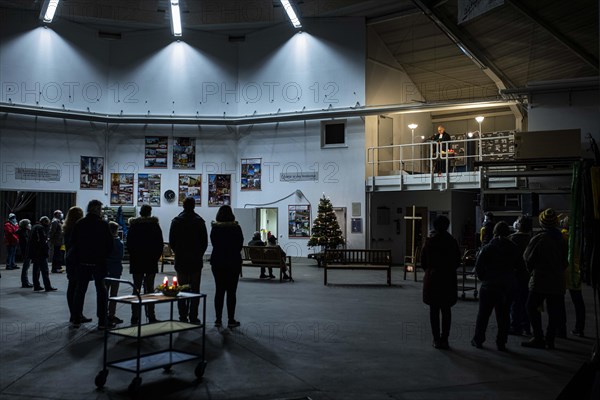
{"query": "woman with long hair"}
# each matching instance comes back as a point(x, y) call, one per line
point(73, 215)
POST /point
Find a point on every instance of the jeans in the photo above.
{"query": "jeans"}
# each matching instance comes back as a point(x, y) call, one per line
point(11, 252)
point(40, 265)
point(25, 270)
point(85, 273)
point(189, 308)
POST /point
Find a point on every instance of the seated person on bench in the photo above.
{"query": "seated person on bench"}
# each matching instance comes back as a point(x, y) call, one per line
point(257, 242)
point(272, 242)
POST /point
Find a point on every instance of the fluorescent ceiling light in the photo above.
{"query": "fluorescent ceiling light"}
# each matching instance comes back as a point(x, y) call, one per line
point(48, 10)
point(291, 14)
point(175, 18)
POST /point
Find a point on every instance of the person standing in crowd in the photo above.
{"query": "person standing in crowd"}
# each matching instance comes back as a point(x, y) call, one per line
point(23, 234)
point(92, 243)
point(38, 252)
point(573, 281)
point(486, 233)
point(226, 263)
point(114, 269)
point(497, 267)
point(188, 239)
point(11, 240)
point(73, 215)
point(519, 321)
point(440, 258)
point(57, 242)
point(546, 260)
point(257, 242)
point(145, 246)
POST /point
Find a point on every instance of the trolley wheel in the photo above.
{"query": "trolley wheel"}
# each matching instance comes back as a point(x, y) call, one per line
point(200, 368)
point(134, 386)
point(101, 378)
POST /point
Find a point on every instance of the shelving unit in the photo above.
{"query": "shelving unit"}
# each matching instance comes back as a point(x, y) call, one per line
point(143, 362)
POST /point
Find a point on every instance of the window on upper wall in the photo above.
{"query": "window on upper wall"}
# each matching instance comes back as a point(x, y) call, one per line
point(333, 133)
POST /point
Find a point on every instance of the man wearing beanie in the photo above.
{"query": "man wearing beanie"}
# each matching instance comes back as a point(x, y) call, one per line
point(546, 260)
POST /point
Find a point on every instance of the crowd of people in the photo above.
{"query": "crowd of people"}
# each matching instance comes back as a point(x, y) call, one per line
point(91, 249)
point(521, 274)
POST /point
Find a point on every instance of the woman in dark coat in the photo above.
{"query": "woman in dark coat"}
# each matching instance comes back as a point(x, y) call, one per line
point(145, 246)
point(226, 262)
point(440, 258)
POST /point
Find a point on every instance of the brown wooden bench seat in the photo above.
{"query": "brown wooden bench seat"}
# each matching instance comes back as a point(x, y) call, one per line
point(268, 257)
point(358, 259)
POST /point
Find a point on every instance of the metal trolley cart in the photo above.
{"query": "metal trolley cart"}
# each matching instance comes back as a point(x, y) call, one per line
point(466, 272)
point(160, 359)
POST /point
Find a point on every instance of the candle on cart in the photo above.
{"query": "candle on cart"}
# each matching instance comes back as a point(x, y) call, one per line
point(175, 281)
point(166, 282)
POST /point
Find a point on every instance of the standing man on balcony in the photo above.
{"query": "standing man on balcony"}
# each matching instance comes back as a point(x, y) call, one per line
point(440, 137)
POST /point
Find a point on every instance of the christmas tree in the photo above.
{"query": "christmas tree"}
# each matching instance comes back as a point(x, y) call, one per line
point(326, 231)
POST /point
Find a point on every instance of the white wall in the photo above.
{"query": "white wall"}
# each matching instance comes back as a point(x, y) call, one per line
point(204, 74)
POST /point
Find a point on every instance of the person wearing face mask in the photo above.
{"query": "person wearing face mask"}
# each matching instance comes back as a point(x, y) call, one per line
point(57, 242)
point(11, 240)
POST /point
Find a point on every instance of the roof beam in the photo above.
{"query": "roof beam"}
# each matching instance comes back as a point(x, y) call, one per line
point(571, 45)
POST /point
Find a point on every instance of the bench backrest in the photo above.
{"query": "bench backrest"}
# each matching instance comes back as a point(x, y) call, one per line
point(358, 256)
point(260, 254)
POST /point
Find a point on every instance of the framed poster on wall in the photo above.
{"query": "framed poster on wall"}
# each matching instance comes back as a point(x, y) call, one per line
point(190, 185)
point(251, 173)
point(149, 189)
point(184, 153)
point(299, 221)
point(155, 151)
point(91, 173)
point(219, 190)
point(121, 189)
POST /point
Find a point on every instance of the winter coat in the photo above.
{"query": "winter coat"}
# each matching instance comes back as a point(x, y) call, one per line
point(546, 258)
point(10, 234)
point(70, 259)
point(23, 235)
point(188, 238)
point(91, 241)
point(227, 241)
point(56, 233)
point(145, 245)
point(521, 239)
point(114, 261)
point(499, 263)
point(440, 259)
point(38, 242)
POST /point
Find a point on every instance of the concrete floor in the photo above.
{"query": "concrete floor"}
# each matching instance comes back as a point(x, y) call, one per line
point(355, 339)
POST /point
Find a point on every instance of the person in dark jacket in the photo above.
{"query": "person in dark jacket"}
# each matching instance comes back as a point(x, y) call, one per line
point(23, 233)
point(145, 245)
point(440, 259)
point(114, 269)
point(519, 321)
point(92, 243)
point(73, 215)
point(257, 242)
point(496, 266)
point(226, 262)
point(188, 239)
point(38, 252)
point(486, 233)
point(546, 258)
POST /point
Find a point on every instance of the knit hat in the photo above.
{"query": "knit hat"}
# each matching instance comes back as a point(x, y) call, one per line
point(548, 218)
point(12, 216)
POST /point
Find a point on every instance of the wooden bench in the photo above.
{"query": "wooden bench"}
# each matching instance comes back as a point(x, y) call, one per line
point(168, 257)
point(267, 257)
point(358, 259)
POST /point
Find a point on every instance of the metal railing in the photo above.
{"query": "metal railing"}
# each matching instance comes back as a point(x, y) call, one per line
point(435, 158)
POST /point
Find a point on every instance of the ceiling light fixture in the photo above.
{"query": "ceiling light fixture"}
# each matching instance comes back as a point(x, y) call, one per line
point(291, 14)
point(175, 18)
point(48, 10)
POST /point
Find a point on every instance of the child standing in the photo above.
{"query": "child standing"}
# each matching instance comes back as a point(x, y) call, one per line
point(114, 264)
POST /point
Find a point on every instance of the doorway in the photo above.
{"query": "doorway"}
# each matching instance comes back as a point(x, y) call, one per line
point(267, 221)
